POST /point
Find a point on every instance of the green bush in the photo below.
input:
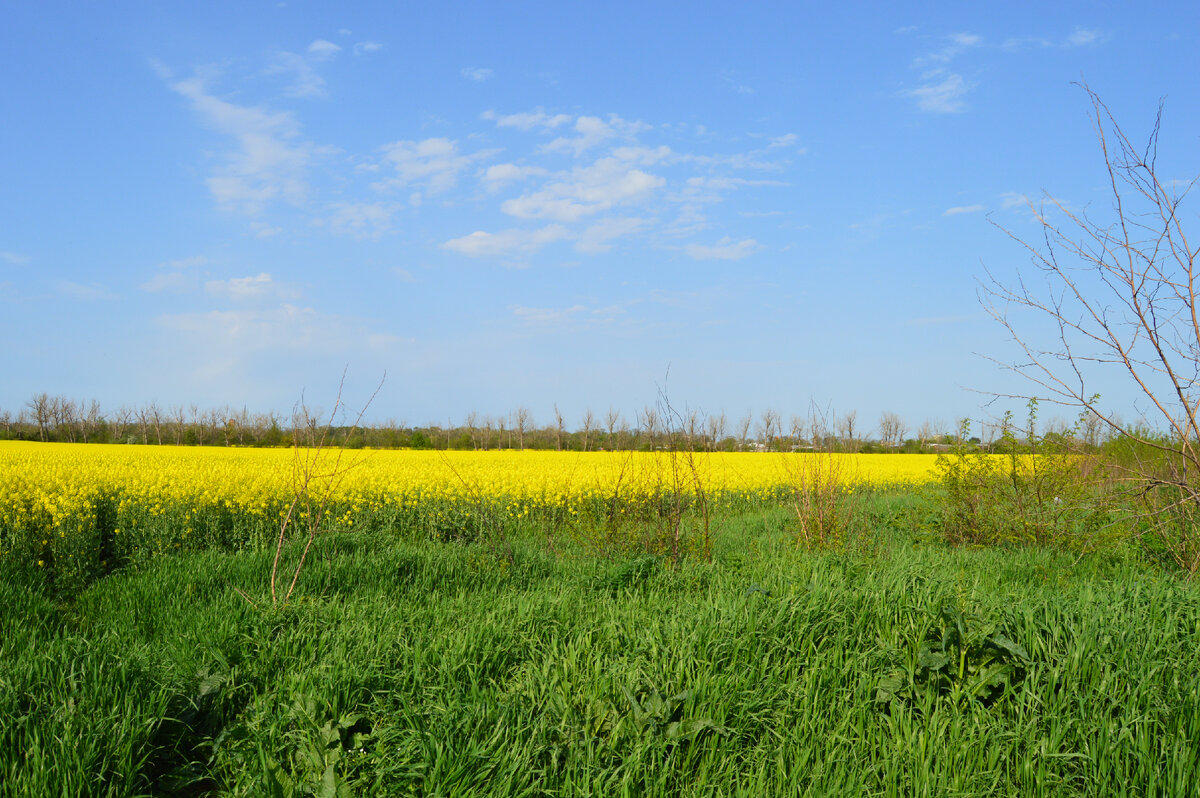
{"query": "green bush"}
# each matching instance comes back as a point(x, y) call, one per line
point(1040, 490)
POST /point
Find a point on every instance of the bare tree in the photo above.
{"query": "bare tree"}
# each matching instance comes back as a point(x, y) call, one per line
point(612, 421)
point(156, 420)
point(473, 429)
point(743, 429)
point(716, 429)
point(692, 427)
point(199, 423)
point(215, 421)
point(558, 428)
point(66, 417)
point(1091, 430)
point(924, 433)
point(1122, 295)
point(178, 423)
point(768, 427)
point(796, 430)
point(92, 418)
point(648, 421)
point(589, 424)
point(521, 422)
point(891, 430)
point(39, 406)
point(122, 420)
point(848, 431)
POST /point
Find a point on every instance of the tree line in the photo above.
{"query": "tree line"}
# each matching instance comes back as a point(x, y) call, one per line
point(656, 427)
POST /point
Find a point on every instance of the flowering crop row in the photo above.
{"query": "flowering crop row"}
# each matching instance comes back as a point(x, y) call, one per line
point(80, 507)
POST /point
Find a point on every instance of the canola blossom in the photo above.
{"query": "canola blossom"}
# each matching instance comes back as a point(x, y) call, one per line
point(76, 504)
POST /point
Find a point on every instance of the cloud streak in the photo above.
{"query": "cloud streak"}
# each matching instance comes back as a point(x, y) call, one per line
point(945, 96)
point(506, 243)
point(725, 249)
point(269, 162)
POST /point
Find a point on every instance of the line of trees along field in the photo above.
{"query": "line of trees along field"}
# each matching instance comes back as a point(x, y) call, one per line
point(61, 419)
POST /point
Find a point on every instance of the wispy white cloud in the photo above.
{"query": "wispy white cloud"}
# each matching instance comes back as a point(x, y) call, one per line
point(594, 131)
point(367, 47)
point(954, 45)
point(498, 176)
point(598, 237)
point(477, 74)
point(184, 263)
point(731, 82)
point(361, 219)
point(528, 121)
point(269, 162)
point(241, 289)
point(323, 49)
point(507, 242)
point(175, 276)
point(546, 315)
point(725, 249)
point(959, 209)
point(1016, 43)
point(1011, 199)
point(15, 258)
point(942, 91)
point(172, 282)
point(305, 80)
point(433, 164)
point(1085, 37)
point(645, 156)
point(729, 183)
point(585, 191)
point(92, 292)
point(946, 96)
point(224, 338)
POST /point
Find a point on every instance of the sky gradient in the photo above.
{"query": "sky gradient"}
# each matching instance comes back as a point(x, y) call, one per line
point(502, 204)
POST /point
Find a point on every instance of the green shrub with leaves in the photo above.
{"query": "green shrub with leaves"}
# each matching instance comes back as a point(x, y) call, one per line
point(1038, 490)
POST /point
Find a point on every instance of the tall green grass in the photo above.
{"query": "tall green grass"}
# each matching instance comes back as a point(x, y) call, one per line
point(416, 667)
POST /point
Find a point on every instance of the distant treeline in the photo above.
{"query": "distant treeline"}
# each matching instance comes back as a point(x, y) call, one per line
point(60, 419)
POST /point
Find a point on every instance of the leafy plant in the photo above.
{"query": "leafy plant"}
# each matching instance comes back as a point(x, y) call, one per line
point(655, 715)
point(312, 759)
point(1038, 491)
point(957, 656)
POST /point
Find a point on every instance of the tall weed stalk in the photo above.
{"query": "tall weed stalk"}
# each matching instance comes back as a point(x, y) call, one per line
point(318, 469)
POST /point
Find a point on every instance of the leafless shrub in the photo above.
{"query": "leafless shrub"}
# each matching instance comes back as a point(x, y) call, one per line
point(318, 468)
point(1120, 294)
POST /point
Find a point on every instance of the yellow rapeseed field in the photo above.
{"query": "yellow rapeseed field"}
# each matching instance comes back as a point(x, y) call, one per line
point(66, 501)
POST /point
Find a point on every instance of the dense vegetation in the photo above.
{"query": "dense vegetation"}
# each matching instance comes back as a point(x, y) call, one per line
point(875, 661)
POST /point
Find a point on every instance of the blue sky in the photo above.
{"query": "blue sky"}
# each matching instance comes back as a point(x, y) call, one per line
point(500, 204)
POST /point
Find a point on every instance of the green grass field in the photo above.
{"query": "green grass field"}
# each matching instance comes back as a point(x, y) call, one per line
point(408, 667)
